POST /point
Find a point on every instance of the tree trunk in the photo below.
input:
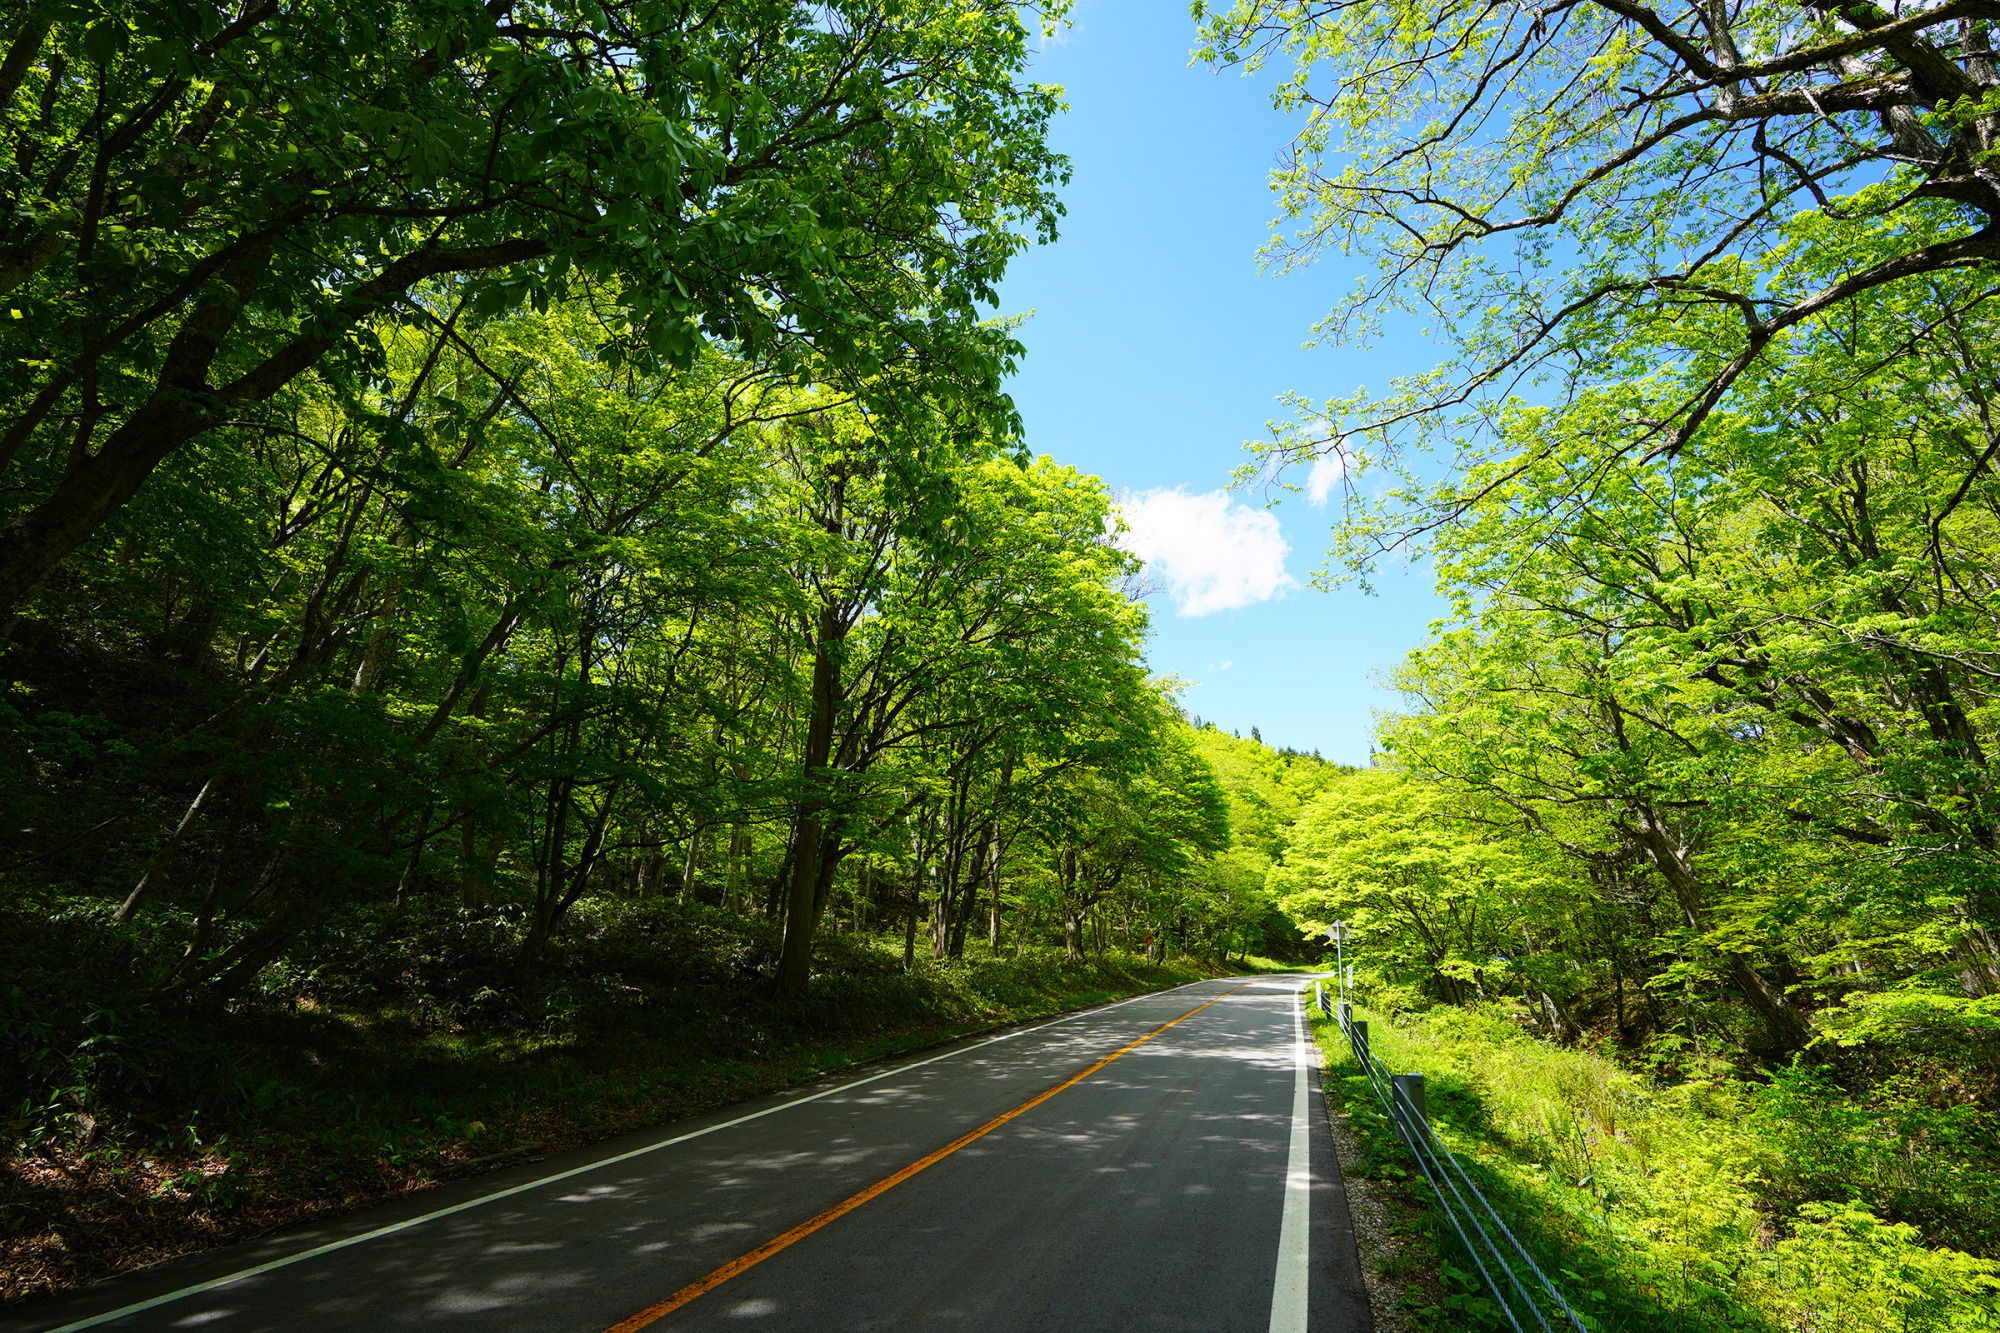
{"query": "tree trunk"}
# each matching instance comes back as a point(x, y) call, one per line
point(947, 899)
point(416, 857)
point(996, 877)
point(1672, 858)
point(1788, 1028)
point(156, 871)
point(831, 853)
point(801, 902)
point(774, 897)
point(183, 404)
point(795, 958)
point(691, 862)
point(204, 921)
point(993, 924)
point(242, 960)
point(1559, 1019)
point(739, 866)
point(560, 890)
point(969, 894)
point(180, 408)
point(910, 917)
point(470, 891)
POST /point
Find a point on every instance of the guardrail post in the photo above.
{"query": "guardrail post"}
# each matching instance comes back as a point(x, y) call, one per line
point(1407, 1091)
point(1501, 1267)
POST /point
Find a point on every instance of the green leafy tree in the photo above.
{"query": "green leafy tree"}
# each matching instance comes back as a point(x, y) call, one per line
point(1758, 675)
point(199, 207)
point(1535, 184)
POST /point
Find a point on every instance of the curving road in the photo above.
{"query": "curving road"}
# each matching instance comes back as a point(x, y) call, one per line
point(1161, 1163)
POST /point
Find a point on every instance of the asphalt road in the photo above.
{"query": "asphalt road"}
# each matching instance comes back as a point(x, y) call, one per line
point(1187, 1184)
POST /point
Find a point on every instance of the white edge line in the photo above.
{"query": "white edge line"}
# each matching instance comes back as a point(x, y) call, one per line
point(1292, 1285)
point(328, 1248)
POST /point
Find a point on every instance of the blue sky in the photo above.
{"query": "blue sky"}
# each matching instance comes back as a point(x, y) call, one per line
point(1157, 347)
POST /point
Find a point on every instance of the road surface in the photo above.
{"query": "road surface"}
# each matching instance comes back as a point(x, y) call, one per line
point(1163, 1163)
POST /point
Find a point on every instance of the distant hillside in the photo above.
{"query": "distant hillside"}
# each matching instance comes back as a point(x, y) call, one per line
point(1267, 788)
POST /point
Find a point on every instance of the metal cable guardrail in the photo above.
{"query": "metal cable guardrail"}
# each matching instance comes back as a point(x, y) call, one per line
point(1506, 1268)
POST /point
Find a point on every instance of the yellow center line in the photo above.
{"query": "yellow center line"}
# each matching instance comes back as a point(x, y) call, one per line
point(770, 1247)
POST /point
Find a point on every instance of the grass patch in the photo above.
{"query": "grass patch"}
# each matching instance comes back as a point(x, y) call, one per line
point(1652, 1207)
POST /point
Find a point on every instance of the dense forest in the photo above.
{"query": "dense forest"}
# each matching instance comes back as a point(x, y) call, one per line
point(524, 606)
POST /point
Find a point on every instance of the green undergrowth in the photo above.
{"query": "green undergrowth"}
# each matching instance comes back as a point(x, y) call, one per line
point(1708, 1205)
point(397, 1049)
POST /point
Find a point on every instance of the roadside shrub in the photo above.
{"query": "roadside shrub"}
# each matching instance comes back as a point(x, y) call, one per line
point(1716, 1203)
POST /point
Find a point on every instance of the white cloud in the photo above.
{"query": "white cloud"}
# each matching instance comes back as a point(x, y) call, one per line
point(1319, 482)
point(1216, 553)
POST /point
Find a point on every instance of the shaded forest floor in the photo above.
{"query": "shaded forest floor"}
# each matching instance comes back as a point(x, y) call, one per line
point(401, 1053)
